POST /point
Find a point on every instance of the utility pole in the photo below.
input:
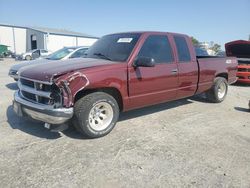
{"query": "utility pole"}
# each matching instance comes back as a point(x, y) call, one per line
point(14, 39)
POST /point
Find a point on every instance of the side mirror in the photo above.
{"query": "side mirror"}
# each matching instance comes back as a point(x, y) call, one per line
point(144, 62)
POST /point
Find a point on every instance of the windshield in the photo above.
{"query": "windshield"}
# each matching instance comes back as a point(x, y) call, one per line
point(57, 55)
point(115, 47)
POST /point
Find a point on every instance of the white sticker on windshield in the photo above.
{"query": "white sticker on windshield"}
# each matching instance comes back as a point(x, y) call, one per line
point(124, 40)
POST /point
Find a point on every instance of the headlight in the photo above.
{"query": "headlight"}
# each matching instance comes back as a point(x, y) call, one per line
point(13, 72)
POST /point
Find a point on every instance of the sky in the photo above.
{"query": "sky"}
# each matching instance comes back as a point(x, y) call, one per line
point(220, 21)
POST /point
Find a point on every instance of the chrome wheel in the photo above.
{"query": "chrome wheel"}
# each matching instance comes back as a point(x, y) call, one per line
point(222, 90)
point(101, 116)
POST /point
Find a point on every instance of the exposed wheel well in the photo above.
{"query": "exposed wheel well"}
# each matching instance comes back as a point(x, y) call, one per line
point(223, 75)
point(110, 90)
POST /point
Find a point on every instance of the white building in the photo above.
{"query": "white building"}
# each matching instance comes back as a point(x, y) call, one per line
point(21, 39)
point(206, 46)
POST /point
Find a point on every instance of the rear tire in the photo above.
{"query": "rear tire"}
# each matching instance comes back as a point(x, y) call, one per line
point(218, 91)
point(95, 114)
point(28, 57)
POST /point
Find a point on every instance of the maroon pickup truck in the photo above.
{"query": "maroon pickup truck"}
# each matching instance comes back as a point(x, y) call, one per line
point(120, 72)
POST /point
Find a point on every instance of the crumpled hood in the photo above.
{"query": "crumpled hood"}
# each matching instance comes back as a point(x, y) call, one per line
point(46, 72)
point(18, 66)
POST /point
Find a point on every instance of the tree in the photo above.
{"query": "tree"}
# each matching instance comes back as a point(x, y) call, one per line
point(216, 48)
point(195, 41)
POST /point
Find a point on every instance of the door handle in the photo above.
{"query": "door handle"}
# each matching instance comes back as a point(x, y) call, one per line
point(174, 71)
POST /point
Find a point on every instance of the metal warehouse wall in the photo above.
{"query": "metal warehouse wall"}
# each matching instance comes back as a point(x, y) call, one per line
point(13, 37)
point(55, 42)
point(39, 39)
point(85, 41)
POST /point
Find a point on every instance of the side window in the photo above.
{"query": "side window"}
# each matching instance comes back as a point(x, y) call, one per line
point(157, 47)
point(182, 49)
point(79, 53)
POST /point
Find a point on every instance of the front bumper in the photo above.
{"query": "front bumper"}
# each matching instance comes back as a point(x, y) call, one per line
point(41, 112)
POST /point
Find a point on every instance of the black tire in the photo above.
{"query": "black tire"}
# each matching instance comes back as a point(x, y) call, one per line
point(28, 57)
point(213, 94)
point(82, 110)
point(16, 79)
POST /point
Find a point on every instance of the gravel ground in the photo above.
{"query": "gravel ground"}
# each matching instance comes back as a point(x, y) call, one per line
point(186, 143)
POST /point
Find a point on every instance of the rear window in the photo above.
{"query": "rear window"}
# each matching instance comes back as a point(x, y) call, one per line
point(182, 49)
point(200, 52)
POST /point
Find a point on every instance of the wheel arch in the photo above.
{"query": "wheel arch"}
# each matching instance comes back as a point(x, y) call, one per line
point(114, 92)
point(223, 75)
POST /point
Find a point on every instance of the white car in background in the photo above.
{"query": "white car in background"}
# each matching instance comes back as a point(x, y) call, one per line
point(67, 53)
point(62, 54)
point(33, 54)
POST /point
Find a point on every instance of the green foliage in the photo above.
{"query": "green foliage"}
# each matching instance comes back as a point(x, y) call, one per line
point(216, 48)
point(195, 41)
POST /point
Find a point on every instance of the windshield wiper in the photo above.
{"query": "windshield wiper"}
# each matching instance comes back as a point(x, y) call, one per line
point(102, 55)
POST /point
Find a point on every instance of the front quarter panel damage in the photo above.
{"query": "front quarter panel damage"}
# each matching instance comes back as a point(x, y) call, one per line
point(70, 84)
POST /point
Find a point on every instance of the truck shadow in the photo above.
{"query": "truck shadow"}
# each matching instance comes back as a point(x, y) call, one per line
point(29, 126)
point(12, 86)
point(240, 84)
point(36, 128)
point(242, 109)
point(153, 109)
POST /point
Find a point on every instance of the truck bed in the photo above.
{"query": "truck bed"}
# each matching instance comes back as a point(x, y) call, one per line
point(208, 67)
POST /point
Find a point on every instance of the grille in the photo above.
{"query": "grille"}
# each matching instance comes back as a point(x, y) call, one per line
point(243, 70)
point(27, 83)
point(29, 95)
point(38, 92)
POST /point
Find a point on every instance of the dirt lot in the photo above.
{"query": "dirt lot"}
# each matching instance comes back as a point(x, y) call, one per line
point(187, 143)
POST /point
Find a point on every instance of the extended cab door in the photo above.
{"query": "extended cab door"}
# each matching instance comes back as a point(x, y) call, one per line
point(151, 85)
point(187, 66)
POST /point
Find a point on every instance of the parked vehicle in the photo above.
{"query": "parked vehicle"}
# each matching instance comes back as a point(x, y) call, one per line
point(241, 50)
point(62, 54)
point(33, 54)
point(121, 72)
point(200, 52)
point(221, 54)
point(3, 50)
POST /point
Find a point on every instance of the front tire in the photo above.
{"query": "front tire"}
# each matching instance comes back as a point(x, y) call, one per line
point(95, 114)
point(218, 91)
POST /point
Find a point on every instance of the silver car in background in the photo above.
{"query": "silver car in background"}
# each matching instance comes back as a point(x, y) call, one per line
point(33, 54)
point(62, 54)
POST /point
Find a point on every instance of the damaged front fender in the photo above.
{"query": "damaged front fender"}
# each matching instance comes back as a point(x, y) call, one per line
point(70, 84)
